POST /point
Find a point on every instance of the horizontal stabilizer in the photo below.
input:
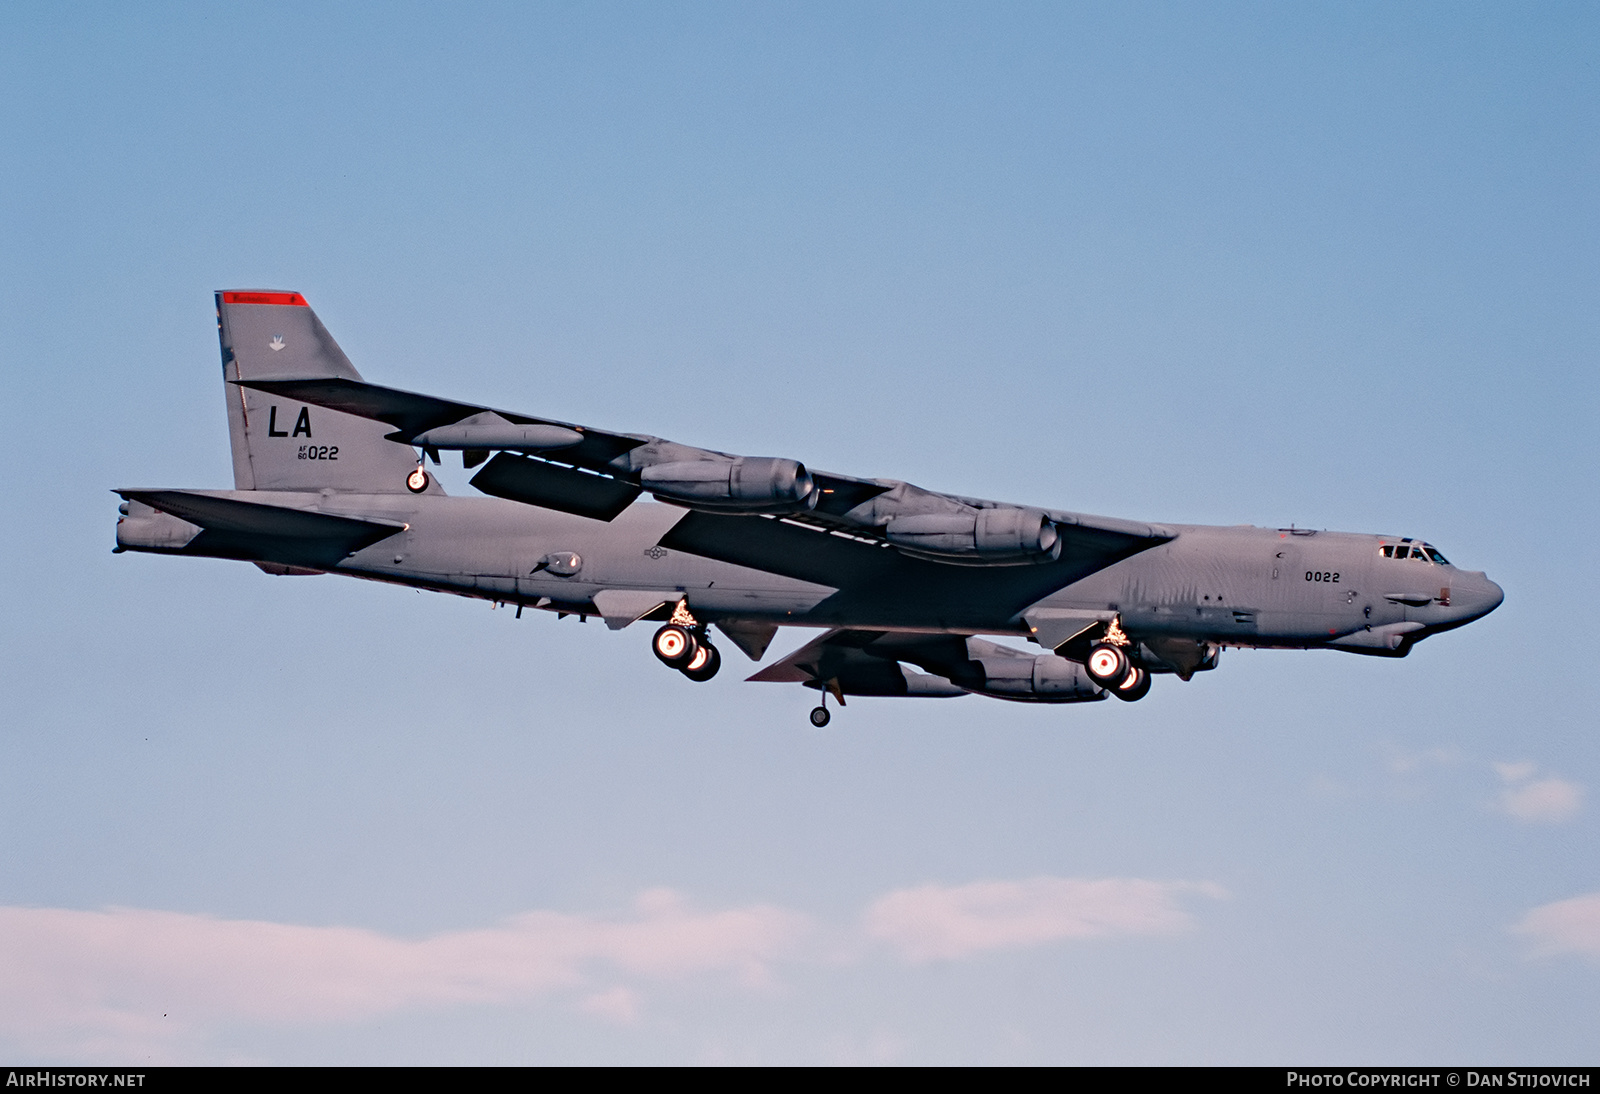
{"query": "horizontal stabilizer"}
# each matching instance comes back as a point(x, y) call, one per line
point(234, 528)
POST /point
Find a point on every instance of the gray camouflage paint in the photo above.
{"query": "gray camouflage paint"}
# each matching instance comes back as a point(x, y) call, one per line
point(318, 489)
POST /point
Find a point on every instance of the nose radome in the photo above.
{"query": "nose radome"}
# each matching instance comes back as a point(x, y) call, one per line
point(1496, 596)
point(1481, 597)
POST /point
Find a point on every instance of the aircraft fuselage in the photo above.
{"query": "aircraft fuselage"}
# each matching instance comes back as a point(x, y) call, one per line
point(331, 476)
point(1239, 586)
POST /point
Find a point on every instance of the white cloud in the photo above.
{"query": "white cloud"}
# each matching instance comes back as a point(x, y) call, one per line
point(1550, 800)
point(126, 976)
point(1404, 762)
point(1525, 794)
point(128, 983)
point(934, 922)
point(1569, 926)
point(1517, 772)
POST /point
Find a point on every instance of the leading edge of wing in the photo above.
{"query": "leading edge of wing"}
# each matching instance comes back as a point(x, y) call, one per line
point(805, 663)
point(867, 662)
point(878, 583)
point(413, 414)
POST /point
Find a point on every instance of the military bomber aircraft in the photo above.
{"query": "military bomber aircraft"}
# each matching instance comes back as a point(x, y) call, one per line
point(330, 476)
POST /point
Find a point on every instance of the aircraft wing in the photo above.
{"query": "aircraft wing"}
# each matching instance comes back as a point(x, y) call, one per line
point(861, 662)
point(874, 580)
point(888, 546)
point(413, 415)
point(552, 486)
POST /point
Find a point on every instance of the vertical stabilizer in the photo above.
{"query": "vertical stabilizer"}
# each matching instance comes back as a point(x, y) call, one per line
point(281, 444)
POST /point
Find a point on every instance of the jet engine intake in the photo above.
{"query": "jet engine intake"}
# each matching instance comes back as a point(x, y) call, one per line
point(1043, 679)
point(747, 484)
point(981, 536)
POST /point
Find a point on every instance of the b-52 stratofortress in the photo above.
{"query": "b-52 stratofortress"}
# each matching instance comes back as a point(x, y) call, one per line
point(331, 476)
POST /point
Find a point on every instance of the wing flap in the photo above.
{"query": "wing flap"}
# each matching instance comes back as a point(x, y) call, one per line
point(551, 486)
point(853, 662)
point(752, 636)
point(622, 607)
point(1053, 628)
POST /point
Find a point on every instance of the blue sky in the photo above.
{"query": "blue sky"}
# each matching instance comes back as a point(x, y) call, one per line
point(1332, 265)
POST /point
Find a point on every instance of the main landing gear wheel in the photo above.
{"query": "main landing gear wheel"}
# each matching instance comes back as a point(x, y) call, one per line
point(675, 646)
point(704, 664)
point(1134, 686)
point(820, 716)
point(1107, 665)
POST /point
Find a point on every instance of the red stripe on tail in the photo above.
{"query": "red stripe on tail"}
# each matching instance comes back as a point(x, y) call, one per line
point(291, 298)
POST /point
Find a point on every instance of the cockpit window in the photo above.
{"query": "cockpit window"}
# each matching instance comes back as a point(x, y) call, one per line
point(1421, 552)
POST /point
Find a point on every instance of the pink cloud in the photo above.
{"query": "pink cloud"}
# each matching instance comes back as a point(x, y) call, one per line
point(619, 1005)
point(934, 922)
point(126, 983)
point(126, 975)
point(1569, 926)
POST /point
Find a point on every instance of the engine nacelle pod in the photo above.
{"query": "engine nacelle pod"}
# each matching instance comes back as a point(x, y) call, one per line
point(1000, 535)
point(1043, 679)
point(747, 484)
point(490, 430)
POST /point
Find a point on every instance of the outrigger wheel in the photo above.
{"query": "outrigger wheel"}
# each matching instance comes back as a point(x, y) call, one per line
point(1108, 665)
point(820, 716)
point(704, 664)
point(417, 481)
point(676, 646)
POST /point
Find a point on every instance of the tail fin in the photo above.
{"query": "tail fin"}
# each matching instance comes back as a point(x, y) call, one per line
point(280, 444)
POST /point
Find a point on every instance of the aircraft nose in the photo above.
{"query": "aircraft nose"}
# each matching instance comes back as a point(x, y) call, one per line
point(1480, 597)
point(1497, 595)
